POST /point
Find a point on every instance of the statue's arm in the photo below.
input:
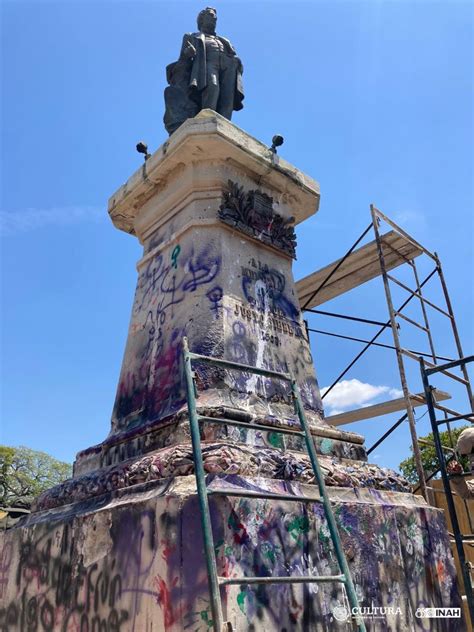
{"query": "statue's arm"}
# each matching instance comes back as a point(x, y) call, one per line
point(229, 49)
point(188, 50)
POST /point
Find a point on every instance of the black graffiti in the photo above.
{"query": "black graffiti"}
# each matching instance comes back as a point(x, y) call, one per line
point(86, 596)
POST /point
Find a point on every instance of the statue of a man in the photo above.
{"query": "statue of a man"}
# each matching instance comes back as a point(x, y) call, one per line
point(208, 74)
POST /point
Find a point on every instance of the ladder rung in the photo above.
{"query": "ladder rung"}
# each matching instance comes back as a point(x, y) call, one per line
point(435, 368)
point(252, 426)
point(410, 354)
point(412, 322)
point(450, 420)
point(245, 368)
point(419, 295)
point(453, 376)
point(265, 495)
point(300, 579)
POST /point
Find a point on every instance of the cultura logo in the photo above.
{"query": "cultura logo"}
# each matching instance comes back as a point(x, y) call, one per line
point(341, 613)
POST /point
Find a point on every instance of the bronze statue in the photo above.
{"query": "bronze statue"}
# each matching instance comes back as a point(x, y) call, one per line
point(208, 74)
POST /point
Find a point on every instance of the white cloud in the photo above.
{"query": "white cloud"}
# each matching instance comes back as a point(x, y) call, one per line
point(12, 222)
point(349, 394)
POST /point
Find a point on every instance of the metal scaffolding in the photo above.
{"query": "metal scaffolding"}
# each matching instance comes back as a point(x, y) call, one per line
point(386, 252)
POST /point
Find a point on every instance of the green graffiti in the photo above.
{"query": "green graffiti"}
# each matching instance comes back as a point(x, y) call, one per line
point(270, 552)
point(324, 538)
point(175, 255)
point(326, 446)
point(298, 526)
point(276, 440)
point(206, 618)
point(241, 599)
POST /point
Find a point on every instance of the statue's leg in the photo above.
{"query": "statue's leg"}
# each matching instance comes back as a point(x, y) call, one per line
point(227, 80)
point(210, 94)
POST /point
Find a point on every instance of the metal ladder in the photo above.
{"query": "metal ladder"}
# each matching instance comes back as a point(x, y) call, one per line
point(216, 582)
point(428, 370)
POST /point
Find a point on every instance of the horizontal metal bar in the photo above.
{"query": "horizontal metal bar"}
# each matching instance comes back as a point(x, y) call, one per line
point(244, 424)
point(299, 579)
point(420, 296)
point(453, 376)
point(449, 420)
point(413, 322)
point(244, 368)
point(238, 493)
point(368, 321)
point(416, 354)
point(438, 368)
point(449, 365)
point(402, 232)
point(445, 409)
point(379, 333)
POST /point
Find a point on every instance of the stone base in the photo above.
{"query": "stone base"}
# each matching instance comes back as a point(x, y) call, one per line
point(132, 560)
point(174, 430)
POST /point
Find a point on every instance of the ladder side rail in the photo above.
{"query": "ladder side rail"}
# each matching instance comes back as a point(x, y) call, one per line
point(400, 230)
point(425, 314)
point(401, 366)
point(447, 490)
point(454, 327)
point(214, 589)
point(335, 537)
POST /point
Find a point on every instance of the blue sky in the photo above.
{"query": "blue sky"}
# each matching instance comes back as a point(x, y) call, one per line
point(374, 99)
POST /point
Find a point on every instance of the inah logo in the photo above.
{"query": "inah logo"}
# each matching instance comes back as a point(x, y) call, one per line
point(438, 613)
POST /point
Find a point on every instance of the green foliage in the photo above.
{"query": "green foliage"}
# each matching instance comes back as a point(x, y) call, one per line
point(25, 473)
point(428, 455)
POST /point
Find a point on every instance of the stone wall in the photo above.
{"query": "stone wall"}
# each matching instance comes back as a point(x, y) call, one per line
point(133, 562)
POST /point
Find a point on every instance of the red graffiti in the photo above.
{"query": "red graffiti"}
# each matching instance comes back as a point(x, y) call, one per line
point(168, 550)
point(165, 600)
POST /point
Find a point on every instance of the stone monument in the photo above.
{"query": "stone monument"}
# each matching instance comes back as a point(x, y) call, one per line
point(118, 548)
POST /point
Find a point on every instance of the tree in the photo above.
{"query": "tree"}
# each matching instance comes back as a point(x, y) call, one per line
point(25, 473)
point(428, 454)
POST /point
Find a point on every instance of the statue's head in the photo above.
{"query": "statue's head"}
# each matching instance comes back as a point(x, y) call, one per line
point(207, 20)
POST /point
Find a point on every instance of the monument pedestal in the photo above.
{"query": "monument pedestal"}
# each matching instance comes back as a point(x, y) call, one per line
point(118, 547)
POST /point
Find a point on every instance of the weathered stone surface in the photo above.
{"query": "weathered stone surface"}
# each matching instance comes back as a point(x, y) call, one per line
point(231, 293)
point(227, 457)
point(133, 561)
